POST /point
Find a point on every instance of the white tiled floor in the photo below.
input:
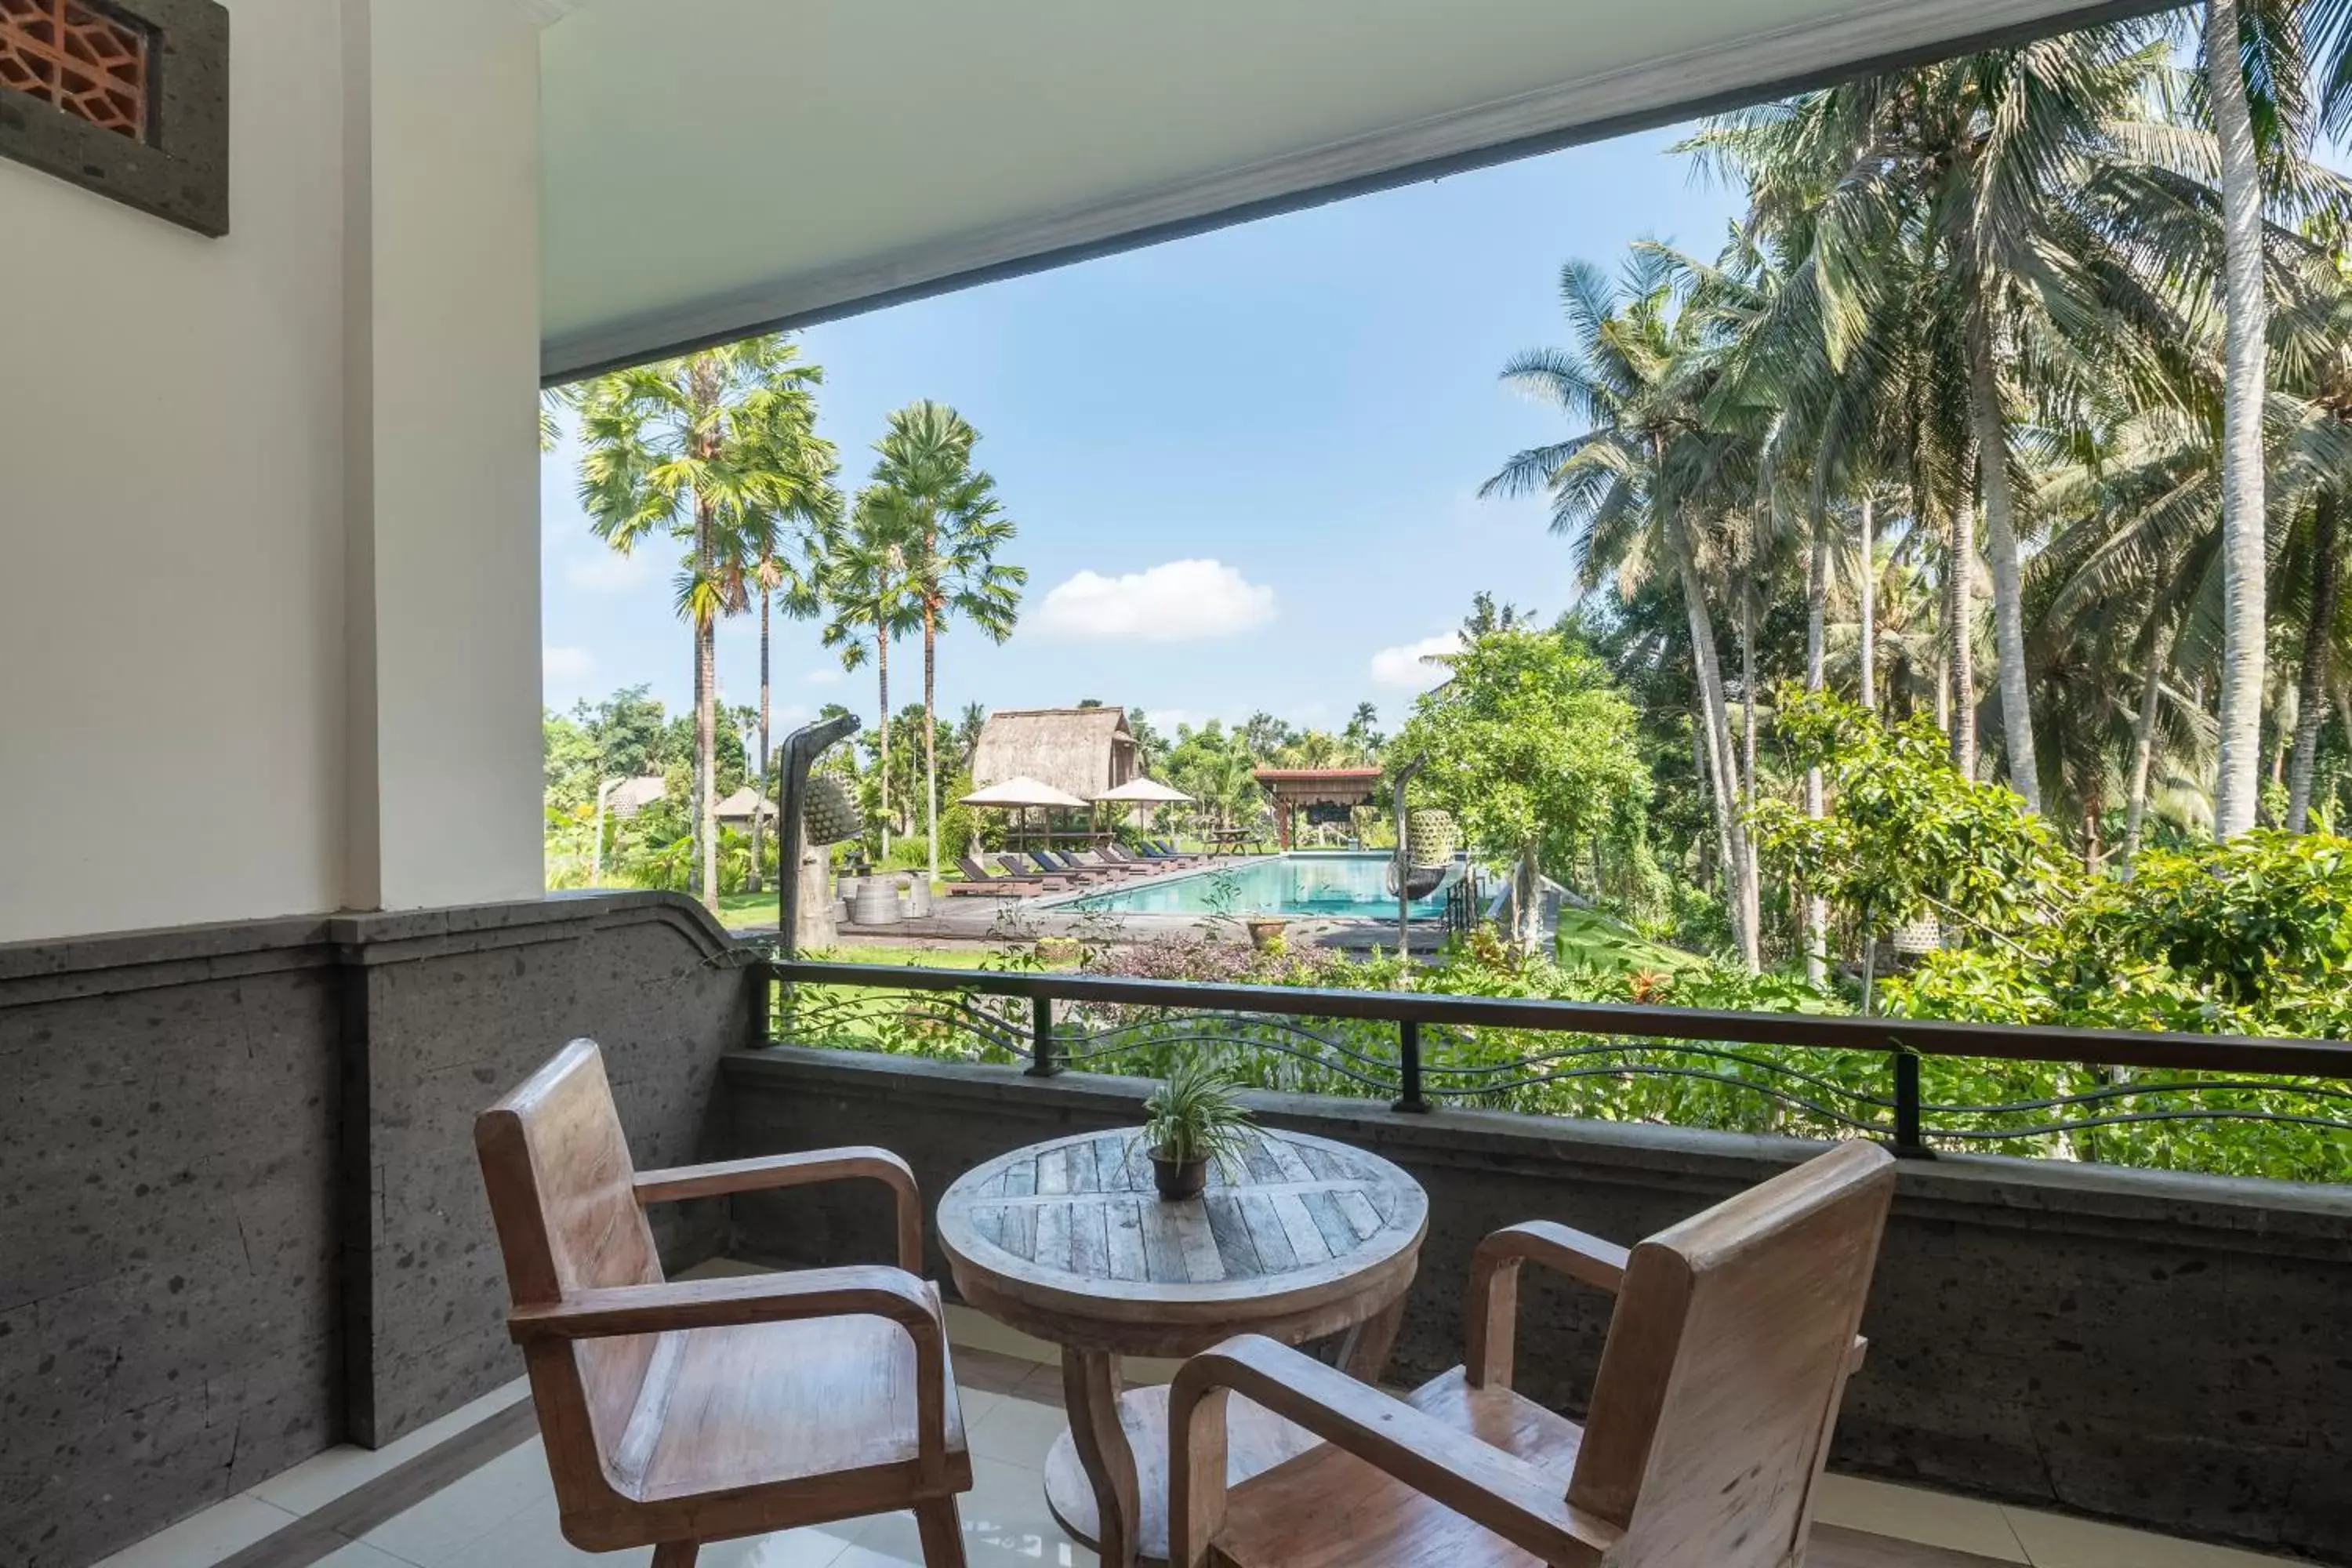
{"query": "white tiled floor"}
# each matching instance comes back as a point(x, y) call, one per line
point(219, 1531)
point(503, 1515)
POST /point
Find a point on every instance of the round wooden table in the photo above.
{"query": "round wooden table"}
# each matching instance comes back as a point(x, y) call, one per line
point(1068, 1241)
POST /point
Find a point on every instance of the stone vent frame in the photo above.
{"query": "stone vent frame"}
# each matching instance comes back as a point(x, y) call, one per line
point(179, 170)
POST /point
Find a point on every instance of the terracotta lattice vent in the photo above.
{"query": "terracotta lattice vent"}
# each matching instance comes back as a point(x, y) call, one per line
point(92, 64)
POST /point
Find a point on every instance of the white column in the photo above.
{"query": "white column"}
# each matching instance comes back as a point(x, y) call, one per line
point(441, 257)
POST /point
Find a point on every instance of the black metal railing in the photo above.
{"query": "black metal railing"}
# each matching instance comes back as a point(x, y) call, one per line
point(2141, 1098)
point(1462, 908)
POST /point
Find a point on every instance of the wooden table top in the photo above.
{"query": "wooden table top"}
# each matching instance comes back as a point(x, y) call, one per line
point(1073, 1228)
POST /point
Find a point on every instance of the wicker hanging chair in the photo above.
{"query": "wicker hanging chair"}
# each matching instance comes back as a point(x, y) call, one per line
point(1419, 880)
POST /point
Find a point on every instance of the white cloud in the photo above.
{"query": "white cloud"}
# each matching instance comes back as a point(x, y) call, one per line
point(1182, 601)
point(825, 674)
point(1406, 668)
point(566, 664)
point(606, 571)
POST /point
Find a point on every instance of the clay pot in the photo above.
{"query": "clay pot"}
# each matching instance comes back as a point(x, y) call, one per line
point(1179, 1179)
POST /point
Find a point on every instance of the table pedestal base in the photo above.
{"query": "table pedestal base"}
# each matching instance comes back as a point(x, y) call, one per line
point(1257, 1440)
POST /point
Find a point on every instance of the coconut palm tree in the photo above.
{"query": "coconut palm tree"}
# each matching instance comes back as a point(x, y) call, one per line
point(2272, 72)
point(952, 525)
point(779, 553)
point(871, 601)
point(1625, 489)
point(2323, 572)
point(1974, 207)
point(2321, 322)
point(689, 449)
point(2245, 552)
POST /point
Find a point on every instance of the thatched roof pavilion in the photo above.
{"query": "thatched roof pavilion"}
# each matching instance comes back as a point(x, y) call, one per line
point(1085, 752)
point(1293, 787)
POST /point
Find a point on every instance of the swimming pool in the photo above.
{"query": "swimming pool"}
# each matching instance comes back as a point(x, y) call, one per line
point(1296, 885)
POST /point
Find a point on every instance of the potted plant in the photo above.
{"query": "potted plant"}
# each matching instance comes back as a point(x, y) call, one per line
point(1194, 1118)
point(1265, 931)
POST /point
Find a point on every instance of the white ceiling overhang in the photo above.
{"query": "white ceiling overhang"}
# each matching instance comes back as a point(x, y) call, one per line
point(713, 167)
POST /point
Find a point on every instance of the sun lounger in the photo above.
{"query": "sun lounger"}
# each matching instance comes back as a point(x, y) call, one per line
point(1148, 864)
point(976, 879)
point(1057, 863)
point(1087, 860)
point(1057, 879)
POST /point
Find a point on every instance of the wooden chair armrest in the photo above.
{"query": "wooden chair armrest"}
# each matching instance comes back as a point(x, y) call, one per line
point(767, 1170)
point(863, 1290)
point(1494, 1305)
point(1486, 1485)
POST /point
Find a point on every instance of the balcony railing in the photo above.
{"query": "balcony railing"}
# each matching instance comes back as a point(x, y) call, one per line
point(2234, 1105)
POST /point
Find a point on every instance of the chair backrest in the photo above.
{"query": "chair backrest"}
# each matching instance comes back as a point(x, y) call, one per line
point(562, 1193)
point(1726, 1362)
point(1050, 861)
point(973, 871)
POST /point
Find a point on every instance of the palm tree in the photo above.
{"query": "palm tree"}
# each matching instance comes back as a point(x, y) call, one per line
point(689, 448)
point(952, 525)
point(780, 552)
point(1974, 208)
point(1625, 488)
point(553, 402)
point(2332, 399)
point(871, 594)
point(2319, 638)
point(2245, 551)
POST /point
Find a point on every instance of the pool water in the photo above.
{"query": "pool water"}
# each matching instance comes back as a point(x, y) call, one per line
point(1296, 885)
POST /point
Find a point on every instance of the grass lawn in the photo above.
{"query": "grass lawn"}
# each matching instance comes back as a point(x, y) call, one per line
point(739, 910)
point(928, 957)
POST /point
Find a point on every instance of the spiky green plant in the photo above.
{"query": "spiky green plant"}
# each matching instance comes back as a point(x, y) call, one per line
point(1194, 1114)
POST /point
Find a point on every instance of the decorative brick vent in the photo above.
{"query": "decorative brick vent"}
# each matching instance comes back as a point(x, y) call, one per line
point(86, 62)
point(125, 97)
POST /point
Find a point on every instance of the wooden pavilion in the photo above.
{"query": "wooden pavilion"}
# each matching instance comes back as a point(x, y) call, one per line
point(1290, 788)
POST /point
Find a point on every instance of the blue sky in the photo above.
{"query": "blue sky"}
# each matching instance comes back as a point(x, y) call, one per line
point(1309, 402)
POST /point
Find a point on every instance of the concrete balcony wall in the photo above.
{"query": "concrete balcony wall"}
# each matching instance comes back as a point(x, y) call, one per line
point(2166, 1351)
point(243, 1219)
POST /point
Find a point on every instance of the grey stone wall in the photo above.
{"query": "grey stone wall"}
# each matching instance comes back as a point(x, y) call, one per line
point(166, 1228)
point(2163, 1350)
point(240, 1219)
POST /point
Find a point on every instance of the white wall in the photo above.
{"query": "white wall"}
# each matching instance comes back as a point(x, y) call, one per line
point(193, 433)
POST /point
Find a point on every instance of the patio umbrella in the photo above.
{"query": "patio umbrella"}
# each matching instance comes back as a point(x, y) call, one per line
point(1140, 793)
point(1020, 793)
point(1144, 792)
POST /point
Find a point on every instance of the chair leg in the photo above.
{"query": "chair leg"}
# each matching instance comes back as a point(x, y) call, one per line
point(942, 1532)
point(677, 1553)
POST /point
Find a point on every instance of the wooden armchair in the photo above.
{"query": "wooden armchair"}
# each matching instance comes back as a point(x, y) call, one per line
point(1718, 1387)
point(676, 1414)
